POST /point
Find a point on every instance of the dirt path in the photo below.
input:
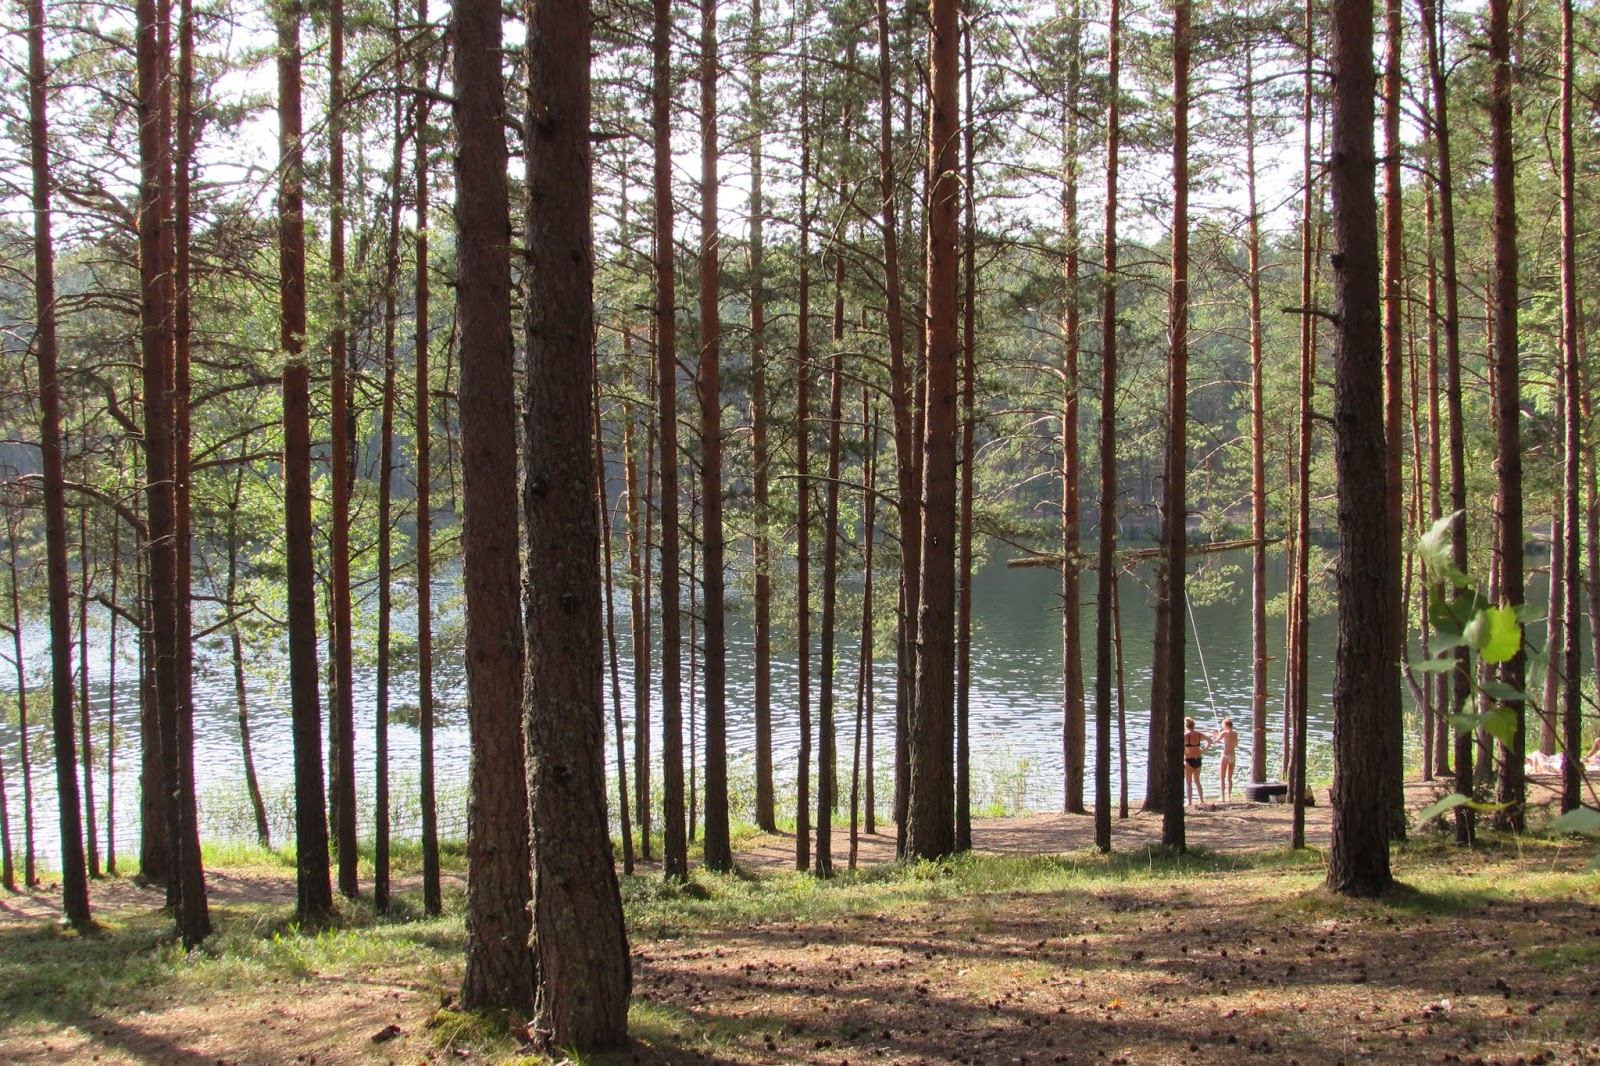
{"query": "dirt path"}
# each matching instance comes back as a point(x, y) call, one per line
point(1236, 827)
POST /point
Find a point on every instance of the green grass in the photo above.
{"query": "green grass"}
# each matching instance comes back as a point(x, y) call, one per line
point(49, 974)
point(706, 901)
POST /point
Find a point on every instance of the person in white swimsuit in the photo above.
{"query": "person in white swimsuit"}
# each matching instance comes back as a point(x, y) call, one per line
point(1229, 740)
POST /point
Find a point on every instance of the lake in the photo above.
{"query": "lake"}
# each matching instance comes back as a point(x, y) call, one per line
point(1015, 706)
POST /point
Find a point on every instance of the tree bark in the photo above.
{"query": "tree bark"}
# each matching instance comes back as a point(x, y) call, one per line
point(1106, 564)
point(1439, 725)
point(314, 893)
point(1167, 719)
point(1298, 686)
point(85, 726)
point(717, 849)
point(969, 372)
point(674, 844)
point(1572, 431)
point(13, 535)
point(1358, 862)
point(1465, 817)
point(1073, 732)
point(500, 968)
point(155, 342)
point(827, 748)
point(766, 809)
point(194, 919)
point(432, 898)
point(930, 819)
point(236, 646)
point(639, 617)
point(580, 946)
point(74, 879)
point(603, 501)
point(1392, 737)
point(1507, 394)
point(1258, 435)
point(380, 841)
point(1555, 609)
point(802, 414)
point(902, 405)
point(342, 728)
point(869, 529)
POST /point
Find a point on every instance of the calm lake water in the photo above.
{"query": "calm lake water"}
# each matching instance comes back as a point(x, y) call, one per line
point(1015, 707)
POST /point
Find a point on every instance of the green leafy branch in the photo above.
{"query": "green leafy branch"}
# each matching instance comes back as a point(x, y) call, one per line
point(1464, 619)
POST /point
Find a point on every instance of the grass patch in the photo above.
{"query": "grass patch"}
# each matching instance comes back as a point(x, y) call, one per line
point(707, 901)
point(1568, 958)
point(51, 975)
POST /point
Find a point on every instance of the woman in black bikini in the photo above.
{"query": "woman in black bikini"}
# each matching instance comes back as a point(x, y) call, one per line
point(1194, 742)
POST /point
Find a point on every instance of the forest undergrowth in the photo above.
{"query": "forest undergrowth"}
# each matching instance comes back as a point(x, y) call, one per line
point(1141, 956)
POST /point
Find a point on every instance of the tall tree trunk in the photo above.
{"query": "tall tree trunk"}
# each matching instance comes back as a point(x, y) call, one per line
point(1393, 724)
point(1167, 689)
point(1591, 522)
point(869, 529)
point(902, 409)
point(1556, 609)
point(1358, 863)
point(194, 919)
point(111, 696)
point(639, 615)
point(1418, 524)
point(930, 820)
point(85, 726)
point(342, 787)
point(236, 646)
point(170, 675)
point(154, 865)
point(1507, 394)
point(641, 758)
point(1572, 431)
point(155, 337)
point(1122, 698)
point(500, 968)
point(1439, 725)
point(694, 665)
point(314, 893)
point(1298, 686)
point(1258, 436)
point(766, 810)
point(14, 534)
point(432, 898)
point(1107, 559)
point(674, 844)
point(1465, 818)
point(380, 819)
point(969, 372)
point(604, 503)
point(8, 873)
point(74, 880)
point(718, 850)
point(1074, 732)
point(580, 946)
point(802, 414)
point(827, 753)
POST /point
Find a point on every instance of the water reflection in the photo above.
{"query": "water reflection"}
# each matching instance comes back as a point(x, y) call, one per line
point(1016, 705)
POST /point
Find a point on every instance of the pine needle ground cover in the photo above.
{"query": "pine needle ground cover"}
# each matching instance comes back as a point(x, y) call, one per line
point(1142, 956)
